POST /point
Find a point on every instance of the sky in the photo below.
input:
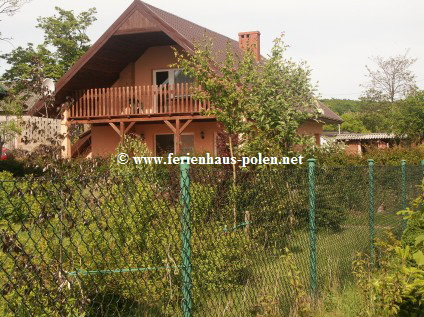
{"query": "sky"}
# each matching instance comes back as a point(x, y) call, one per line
point(336, 38)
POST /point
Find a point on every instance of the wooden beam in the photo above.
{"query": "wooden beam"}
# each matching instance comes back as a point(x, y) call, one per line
point(137, 31)
point(122, 128)
point(106, 119)
point(129, 127)
point(177, 137)
point(185, 125)
point(115, 128)
point(169, 124)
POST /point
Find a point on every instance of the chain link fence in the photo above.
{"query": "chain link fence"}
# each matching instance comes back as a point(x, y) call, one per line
point(191, 240)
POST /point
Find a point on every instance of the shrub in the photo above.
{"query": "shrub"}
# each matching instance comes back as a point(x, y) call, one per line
point(389, 156)
point(18, 168)
point(395, 286)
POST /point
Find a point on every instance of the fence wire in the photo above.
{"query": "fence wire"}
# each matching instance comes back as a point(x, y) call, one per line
point(196, 242)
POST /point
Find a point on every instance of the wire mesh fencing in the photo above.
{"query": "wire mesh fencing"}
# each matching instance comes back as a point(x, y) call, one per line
point(191, 240)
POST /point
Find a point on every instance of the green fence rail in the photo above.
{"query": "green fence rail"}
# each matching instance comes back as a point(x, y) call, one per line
point(191, 240)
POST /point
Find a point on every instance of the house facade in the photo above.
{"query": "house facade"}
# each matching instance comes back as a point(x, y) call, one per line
point(125, 84)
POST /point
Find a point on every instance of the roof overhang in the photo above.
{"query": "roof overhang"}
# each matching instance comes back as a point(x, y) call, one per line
point(137, 29)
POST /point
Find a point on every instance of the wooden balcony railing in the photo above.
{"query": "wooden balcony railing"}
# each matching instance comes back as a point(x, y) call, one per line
point(137, 101)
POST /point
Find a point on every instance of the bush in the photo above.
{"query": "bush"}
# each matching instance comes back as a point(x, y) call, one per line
point(395, 286)
point(414, 232)
point(390, 156)
point(18, 168)
point(57, 229)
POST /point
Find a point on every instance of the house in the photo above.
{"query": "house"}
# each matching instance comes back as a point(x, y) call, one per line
point(124, 84)
point(358, 143)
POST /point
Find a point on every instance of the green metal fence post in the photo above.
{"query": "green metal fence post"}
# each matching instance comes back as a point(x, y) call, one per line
point(312, 229)
point(403, 192)
point(371, 207)
point(187, 303)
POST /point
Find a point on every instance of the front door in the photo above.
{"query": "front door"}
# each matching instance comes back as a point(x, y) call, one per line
point(165, 144)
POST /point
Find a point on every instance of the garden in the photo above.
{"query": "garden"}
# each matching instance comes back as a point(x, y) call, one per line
point(153, 241)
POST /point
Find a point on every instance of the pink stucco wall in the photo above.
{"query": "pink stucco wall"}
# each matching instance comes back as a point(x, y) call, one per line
point(105, 140)
point(141, 72)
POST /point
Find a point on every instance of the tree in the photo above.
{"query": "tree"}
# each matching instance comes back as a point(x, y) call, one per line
point(353, 123)
point(408, 117)
point(264, 102)
point(65, 40)
point(66, 34)
point(391, 80)
point(10, 7)
point(341, 106)
point(10, 126)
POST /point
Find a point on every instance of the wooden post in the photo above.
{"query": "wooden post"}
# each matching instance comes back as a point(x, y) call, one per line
point(177, 137)
point(122, 130)
point(64, 130)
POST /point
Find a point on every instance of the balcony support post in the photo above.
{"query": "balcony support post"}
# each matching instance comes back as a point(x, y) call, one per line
point(177, 130)
point(64, 130)
point(121, 129)
point(177, 137)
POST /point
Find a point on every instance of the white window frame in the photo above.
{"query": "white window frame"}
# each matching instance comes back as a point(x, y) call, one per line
point(171, 80)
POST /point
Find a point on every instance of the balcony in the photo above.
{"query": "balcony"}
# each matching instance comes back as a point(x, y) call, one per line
point(137, 102)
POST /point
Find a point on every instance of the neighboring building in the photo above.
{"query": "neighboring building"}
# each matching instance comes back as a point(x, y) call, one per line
point(124, 84)
point(34, 131)
point(358, 143)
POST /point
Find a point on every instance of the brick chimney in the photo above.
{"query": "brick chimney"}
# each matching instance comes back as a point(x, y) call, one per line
point(251, 40)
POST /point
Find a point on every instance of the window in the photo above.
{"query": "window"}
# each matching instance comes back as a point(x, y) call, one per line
point(180, 78)
point(170, 76)
point(164, 144)
point(187, 144)
point(166, 77)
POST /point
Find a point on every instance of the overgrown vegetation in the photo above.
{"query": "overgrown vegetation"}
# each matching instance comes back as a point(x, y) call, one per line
point(395, 285)
point(105, 218)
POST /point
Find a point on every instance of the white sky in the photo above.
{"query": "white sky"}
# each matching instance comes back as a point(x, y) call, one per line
point(335, 37)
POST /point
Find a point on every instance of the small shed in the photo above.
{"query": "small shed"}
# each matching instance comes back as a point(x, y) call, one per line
point(357, 143)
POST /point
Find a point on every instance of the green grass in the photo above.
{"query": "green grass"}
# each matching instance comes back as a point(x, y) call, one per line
point(269, 287)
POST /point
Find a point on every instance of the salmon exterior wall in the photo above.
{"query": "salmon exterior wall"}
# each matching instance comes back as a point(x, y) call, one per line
point(140, 73)
point(104, 139)
point(207, 144)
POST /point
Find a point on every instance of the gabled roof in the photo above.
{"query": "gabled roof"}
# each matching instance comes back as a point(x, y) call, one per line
point(327, 115)
point(140, 26)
